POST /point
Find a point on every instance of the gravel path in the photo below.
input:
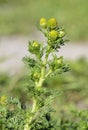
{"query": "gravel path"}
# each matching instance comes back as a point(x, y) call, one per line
point(15, 47)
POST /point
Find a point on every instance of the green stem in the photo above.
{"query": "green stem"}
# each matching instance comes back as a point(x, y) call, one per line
point(34, 106)
point(41, 80)
point(50, 71)
point(27, 127)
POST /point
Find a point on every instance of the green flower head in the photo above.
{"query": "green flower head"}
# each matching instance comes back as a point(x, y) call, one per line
point(52, 23)
point(43, 23)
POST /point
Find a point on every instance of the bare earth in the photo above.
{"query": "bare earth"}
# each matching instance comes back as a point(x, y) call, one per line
point(14, 48)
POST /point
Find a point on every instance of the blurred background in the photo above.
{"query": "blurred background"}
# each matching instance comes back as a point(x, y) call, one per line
point(18, 20)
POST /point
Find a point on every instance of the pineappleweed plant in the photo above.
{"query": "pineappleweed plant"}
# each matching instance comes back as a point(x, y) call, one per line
point(42, 63)
point(41, 67)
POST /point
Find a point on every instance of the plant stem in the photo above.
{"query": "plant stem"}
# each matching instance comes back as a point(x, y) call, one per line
point(50, 71)
point(27, 127)
point(34, 105)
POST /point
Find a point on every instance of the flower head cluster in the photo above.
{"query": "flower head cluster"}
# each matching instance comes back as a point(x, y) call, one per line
point(51, 23)
point(51, 30)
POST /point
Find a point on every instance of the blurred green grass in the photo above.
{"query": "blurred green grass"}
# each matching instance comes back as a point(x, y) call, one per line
point(20, 16)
